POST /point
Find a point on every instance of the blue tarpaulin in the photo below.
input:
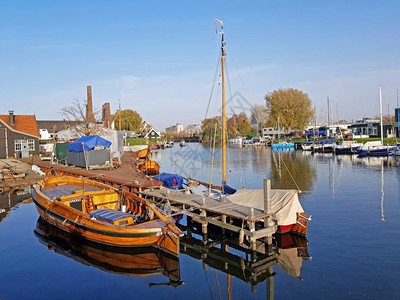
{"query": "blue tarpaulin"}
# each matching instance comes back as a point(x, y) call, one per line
point(229, 190)
point(169, 180)
point(316, 132)
point(87, 143)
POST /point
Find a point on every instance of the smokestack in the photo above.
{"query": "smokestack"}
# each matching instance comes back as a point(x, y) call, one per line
point(106, 115)
point(89, 106)
point(11, 118)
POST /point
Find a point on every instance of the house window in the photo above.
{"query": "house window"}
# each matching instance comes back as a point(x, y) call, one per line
point(18, 145)
point(30, 143)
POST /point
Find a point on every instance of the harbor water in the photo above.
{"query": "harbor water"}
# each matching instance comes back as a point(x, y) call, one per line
point(353, 238)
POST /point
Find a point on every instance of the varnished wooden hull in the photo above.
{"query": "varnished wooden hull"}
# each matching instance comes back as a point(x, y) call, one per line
point(150, 167)
point(151, 233)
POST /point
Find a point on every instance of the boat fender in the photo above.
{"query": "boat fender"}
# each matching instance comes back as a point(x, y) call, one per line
point(241, 235)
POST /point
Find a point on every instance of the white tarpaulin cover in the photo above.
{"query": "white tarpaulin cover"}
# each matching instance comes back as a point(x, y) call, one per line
point(284, 203)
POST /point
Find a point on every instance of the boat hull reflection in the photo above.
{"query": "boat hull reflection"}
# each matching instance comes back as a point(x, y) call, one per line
point(142, 262)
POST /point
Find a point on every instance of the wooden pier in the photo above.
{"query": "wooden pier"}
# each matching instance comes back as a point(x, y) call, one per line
point(251, 223)
point(15, 176)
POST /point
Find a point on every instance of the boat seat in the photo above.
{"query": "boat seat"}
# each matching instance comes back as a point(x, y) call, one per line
point(112, 216)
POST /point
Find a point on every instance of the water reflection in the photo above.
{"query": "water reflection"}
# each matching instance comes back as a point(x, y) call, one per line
point(221, 250)
point(9, 201)
point(135, 262)
point(290, 172)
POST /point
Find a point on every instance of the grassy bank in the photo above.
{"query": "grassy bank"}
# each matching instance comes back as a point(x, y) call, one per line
point(143, 141)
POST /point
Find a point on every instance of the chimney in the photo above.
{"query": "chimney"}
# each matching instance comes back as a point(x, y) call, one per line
point(106, 115)
point(12, 117)
point(89, 106)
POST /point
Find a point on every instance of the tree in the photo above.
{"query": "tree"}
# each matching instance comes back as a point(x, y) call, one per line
point(76, 112)
point(130, 120)
point(208, 127)
point(259, 115)
point(238, 124)
point(292, 106)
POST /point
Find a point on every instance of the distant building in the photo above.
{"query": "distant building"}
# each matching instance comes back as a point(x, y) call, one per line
point(271, 132)
point(193, 129)
point(153, 134)
point(178, 128)
point(372, 129)
point(48, 128)
point(19, 135)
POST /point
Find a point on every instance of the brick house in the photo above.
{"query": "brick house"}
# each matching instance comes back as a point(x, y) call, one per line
point(19, 135)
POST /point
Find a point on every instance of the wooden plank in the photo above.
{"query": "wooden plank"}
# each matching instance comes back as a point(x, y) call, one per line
point(211, 205)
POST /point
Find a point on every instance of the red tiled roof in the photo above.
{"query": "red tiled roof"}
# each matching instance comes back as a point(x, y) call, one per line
point(23, 123)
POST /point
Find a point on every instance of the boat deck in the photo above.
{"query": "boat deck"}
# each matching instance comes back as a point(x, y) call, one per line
point(54, 190)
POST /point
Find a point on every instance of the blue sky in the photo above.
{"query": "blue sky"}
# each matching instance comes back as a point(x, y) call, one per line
point(159, 57)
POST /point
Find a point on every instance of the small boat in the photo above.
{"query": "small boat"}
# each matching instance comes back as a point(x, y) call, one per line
point(144, 164)
point(376, 148)
point(306, 147)
point(182, 143)
point(101, 214)
point(324, 146)
point(347, 147)
point(149, 167)
point(397, 152)
point(282, 145)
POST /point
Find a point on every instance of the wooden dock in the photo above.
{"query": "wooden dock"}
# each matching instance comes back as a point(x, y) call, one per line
point(15, 175)
point(249, 222)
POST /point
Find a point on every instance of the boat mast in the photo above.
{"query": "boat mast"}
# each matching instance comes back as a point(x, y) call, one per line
point(223, 101)
point(380, 107)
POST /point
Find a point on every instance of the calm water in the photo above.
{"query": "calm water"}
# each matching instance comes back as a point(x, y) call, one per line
point(353, 238)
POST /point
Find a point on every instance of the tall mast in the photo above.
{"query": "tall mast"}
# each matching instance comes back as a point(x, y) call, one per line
point(380, 107)
point(223, 100)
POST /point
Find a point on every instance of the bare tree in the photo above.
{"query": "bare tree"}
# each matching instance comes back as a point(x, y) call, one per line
point(76, 112)
point(259, 115)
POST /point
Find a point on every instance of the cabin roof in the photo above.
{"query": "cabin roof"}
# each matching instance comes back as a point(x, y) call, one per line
point(22, 123)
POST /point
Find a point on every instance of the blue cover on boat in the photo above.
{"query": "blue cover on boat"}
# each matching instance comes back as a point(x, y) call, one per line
point(168, 180)
point(316, 132)
point(327, 141)
point(109, 215)
point(89, 142)
point(229, 190)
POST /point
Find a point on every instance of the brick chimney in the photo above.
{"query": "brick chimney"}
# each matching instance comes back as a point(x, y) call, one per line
point(11, 117)
point(106, 115)
point(89, 106)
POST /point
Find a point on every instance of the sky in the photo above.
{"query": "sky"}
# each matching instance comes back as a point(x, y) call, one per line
point(159, 58)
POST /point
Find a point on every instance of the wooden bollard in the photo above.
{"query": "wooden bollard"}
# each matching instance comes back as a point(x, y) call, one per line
point(267, 202)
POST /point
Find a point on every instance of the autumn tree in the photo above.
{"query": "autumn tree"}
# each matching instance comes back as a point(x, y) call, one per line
point(130, 120)
point(208, 127)
point(238, 124)
point(291, 106)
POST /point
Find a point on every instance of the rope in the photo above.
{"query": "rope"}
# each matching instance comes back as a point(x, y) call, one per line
point(290, 174)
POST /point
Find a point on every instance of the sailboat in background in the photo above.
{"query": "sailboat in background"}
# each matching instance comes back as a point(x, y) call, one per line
point(377, 148)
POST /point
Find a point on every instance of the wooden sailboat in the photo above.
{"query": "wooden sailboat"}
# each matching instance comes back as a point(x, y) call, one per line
point(101, 214)
point(284, 204)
